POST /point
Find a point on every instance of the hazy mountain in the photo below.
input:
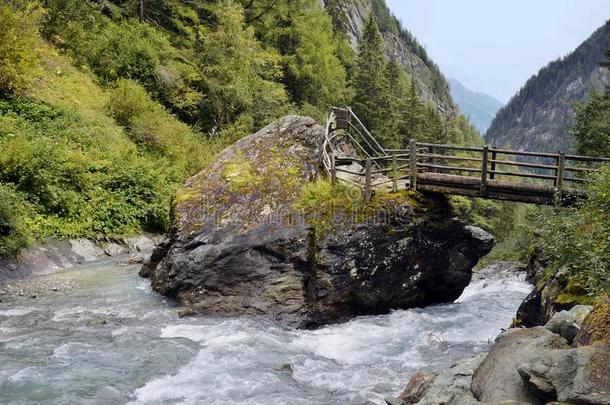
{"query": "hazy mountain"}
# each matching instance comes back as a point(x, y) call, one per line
point(480, 108)
point(538, 117)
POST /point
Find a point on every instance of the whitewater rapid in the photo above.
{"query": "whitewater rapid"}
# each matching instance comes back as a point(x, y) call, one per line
point(111, 340)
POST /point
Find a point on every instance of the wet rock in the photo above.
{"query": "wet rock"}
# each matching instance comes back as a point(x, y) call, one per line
point(450, 386)
point(530, 312)
point(114, 249)
point(86, 249)
point(501, 270)
point(394, 401)
point(497, 379)
point(596, 327)
point(285, 368)
point(240, 244)
point(567, 324)
point(417, 387)
point(107, 396)
point(186, 312)
point(580, 375)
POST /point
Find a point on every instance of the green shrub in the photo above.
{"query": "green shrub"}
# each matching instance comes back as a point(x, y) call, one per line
point(577, 239)
point(14, 211)
point(127, 101)
point(19, 40)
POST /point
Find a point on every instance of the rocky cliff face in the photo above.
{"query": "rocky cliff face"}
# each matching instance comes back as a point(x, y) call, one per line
point(405, 48)
point(539, 116)
point(251, 236)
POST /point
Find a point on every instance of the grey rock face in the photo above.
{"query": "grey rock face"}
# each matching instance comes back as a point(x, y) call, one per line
point(578, 376)
point(255, 258)
point(567, 324)
point(450, 387)
point(56, 256)
point(497, 379)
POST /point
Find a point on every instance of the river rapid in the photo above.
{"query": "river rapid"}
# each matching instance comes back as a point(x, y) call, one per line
point(105, 337)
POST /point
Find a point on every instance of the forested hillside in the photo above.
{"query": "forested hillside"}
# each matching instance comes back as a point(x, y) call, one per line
point(539, 116)
point(401, 45)
point(106, 107)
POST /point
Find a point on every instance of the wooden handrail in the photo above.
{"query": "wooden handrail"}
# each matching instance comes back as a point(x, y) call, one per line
point(446, 168)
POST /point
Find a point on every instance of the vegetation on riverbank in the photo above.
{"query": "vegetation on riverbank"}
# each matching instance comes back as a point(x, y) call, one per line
point(103, 116)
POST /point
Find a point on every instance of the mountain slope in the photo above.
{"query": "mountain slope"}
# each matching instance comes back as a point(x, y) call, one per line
point(539, 116)
point(480, 108)
point(401, 44)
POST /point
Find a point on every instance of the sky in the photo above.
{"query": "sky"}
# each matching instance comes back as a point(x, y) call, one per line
point(494, 46)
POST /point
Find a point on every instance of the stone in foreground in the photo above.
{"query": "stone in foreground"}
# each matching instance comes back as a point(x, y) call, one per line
point(242, 243)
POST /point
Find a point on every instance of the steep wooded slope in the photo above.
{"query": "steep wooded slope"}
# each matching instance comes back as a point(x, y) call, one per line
point(401, 44)
point(539, 116)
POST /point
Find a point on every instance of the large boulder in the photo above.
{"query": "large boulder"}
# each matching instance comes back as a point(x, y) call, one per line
point(575, 376)
point(449, 387)
point(596, 327)
point(567, 324)
point(497, 379)
point(256, 234)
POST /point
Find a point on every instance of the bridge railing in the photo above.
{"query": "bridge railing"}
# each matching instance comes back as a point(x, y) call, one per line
point(352, 155)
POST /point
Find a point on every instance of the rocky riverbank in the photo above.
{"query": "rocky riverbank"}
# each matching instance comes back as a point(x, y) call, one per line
point(562, 357)
point(259, 233)
point(21, 275)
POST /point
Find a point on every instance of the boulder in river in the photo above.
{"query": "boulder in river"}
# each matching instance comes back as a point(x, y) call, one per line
point(497, 379)
point(259, 233)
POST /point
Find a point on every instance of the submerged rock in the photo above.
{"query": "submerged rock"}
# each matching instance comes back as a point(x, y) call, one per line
point(249, 237)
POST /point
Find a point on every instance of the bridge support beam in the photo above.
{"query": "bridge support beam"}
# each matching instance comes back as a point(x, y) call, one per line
point(483, 190)
point(394, 173)
point(333, 170)
point(368, 189)
point(413, 164)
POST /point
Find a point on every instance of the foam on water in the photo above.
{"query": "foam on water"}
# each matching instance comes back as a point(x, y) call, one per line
point(116, 336)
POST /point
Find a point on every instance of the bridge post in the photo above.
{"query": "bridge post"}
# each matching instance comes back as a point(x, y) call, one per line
point(561, 159)
point(483, 191)
point(333, 170)
point(367, 180)
point(494, 157)
point(394, 173)
point(413, 164)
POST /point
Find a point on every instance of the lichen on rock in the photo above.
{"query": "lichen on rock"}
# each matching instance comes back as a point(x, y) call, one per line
point(262, 233)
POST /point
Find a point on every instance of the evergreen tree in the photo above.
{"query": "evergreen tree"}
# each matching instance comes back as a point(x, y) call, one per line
point(312, 71)
point(396, 116)
point(591, 127)
point(371, 101)
point(336, 9)
point(238, 73)
point(414, 115)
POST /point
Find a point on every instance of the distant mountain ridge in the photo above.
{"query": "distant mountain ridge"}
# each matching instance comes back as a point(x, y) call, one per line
point(539, 116)
point(479, 108)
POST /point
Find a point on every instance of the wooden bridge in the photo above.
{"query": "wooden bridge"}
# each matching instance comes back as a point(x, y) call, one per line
point(352, 155)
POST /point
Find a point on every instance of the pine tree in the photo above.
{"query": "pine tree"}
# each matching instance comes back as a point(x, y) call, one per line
point(336, 9)
point(398, 90)
point(313, 74)
point(414, 115)
point(239, 75)
point(606, 63)
point(371, 101)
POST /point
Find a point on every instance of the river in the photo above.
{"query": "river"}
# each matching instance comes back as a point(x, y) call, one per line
point(109, 339)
